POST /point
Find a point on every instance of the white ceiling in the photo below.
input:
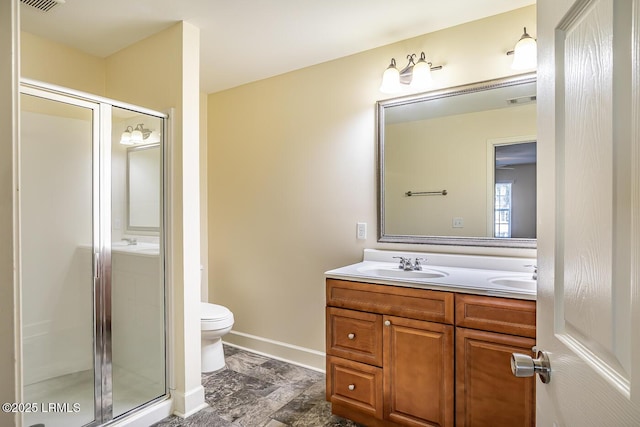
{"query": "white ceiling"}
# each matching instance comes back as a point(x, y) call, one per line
point(247, 40)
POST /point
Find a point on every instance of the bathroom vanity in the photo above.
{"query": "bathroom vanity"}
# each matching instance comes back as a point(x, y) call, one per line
point(430, 347)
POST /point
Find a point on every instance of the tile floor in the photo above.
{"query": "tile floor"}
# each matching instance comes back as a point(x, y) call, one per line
point(255, 390)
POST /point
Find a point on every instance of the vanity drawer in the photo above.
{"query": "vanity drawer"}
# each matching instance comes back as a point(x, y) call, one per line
point(355, 385)
point(354, 335)
point(420, 304)
point(504, 315)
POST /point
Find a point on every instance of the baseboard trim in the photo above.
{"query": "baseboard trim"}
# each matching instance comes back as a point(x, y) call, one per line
point(187, 404)
point(297, 355)
point(147, 416)
point(191, 412)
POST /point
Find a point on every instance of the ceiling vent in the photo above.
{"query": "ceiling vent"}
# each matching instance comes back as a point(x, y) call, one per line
point(521, 100)
point(43, 5)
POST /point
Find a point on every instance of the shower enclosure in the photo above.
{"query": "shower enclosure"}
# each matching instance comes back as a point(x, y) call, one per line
point(92, 257)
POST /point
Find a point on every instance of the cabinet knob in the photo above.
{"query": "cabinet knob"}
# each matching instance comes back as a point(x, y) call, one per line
point(351, 336)
point(352, 387)
point(387, 323)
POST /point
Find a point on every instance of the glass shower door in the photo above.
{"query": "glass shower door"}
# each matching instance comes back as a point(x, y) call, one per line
point(58, 141)
point(137, 260)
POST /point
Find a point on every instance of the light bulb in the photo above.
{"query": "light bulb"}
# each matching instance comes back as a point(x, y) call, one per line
point(125, 139)
point(391, 79)
point(421, 75)
point(136, 135)
point(525, 53)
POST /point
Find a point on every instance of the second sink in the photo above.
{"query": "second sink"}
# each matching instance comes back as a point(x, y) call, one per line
point(398, 273)
point(515, 282)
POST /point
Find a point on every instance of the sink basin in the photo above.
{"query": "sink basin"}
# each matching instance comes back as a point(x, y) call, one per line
point(397, 273)
point(148, 251)
point(140, 247)
point(515, 282)
point(120, 244)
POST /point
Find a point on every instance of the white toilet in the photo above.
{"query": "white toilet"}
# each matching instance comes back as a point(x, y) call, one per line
point(215, 321)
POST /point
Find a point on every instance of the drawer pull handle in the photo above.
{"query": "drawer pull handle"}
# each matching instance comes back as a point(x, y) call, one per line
point(351, 336)
point(387, 323)
point(352, 387)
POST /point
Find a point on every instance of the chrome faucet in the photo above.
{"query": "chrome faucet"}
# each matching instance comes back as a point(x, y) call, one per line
point(407, 265)
point(417, 264)
point(130, 240)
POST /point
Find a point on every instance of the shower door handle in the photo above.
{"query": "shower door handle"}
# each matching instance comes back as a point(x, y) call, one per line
point(96, 265)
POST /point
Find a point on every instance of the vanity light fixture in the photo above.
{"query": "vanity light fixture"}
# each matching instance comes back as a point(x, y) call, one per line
point(139, 135)
point(416, 74)
point(524, 53)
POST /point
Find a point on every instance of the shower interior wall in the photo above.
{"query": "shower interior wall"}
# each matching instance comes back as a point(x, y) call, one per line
point(56, 290)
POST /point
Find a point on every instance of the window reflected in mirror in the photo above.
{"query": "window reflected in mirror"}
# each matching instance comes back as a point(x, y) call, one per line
point(515, 183)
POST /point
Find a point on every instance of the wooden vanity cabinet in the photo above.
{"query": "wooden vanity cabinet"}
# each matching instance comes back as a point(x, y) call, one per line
point(488, 330)
point(391, 354)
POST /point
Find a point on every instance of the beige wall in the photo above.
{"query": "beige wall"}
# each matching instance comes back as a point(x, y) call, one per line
point(10, 356)
point(292, 168)
point(51, 62)
point(449, 153)
point(204, 222)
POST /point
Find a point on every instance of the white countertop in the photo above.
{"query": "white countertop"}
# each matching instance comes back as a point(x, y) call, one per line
point(506, 277)
point(139, 248)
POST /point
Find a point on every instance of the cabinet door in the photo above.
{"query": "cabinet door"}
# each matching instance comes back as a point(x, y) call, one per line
point(487, 393)
point(418, 372)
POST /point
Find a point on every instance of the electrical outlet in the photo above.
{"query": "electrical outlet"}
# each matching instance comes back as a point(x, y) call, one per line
point(458, 222)
point(361, 231)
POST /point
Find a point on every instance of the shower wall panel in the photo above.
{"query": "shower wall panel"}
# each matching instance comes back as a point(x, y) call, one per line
point(56, 228)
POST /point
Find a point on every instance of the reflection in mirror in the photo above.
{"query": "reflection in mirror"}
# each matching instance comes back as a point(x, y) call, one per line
point(457, 166)
point(514, 180)
point(143, 188)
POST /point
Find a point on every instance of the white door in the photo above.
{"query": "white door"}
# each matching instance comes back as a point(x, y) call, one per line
point(589, 211)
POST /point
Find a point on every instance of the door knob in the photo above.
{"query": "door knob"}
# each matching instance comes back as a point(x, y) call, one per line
point(523, 365)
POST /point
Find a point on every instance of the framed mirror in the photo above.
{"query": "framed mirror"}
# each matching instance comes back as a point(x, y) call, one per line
point(143, 188)
point(458, 166)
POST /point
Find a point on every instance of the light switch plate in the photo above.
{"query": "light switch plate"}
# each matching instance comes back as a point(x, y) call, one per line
point(361, 231)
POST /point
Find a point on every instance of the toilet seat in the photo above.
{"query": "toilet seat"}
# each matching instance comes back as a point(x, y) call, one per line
point(214, 317)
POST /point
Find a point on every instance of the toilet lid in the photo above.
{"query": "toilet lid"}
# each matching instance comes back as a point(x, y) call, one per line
point(213, 311)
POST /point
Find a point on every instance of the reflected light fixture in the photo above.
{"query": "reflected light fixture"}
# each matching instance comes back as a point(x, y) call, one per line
point(525, 52)
point(125, 139)
point(139, 135)
point(417, 75)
